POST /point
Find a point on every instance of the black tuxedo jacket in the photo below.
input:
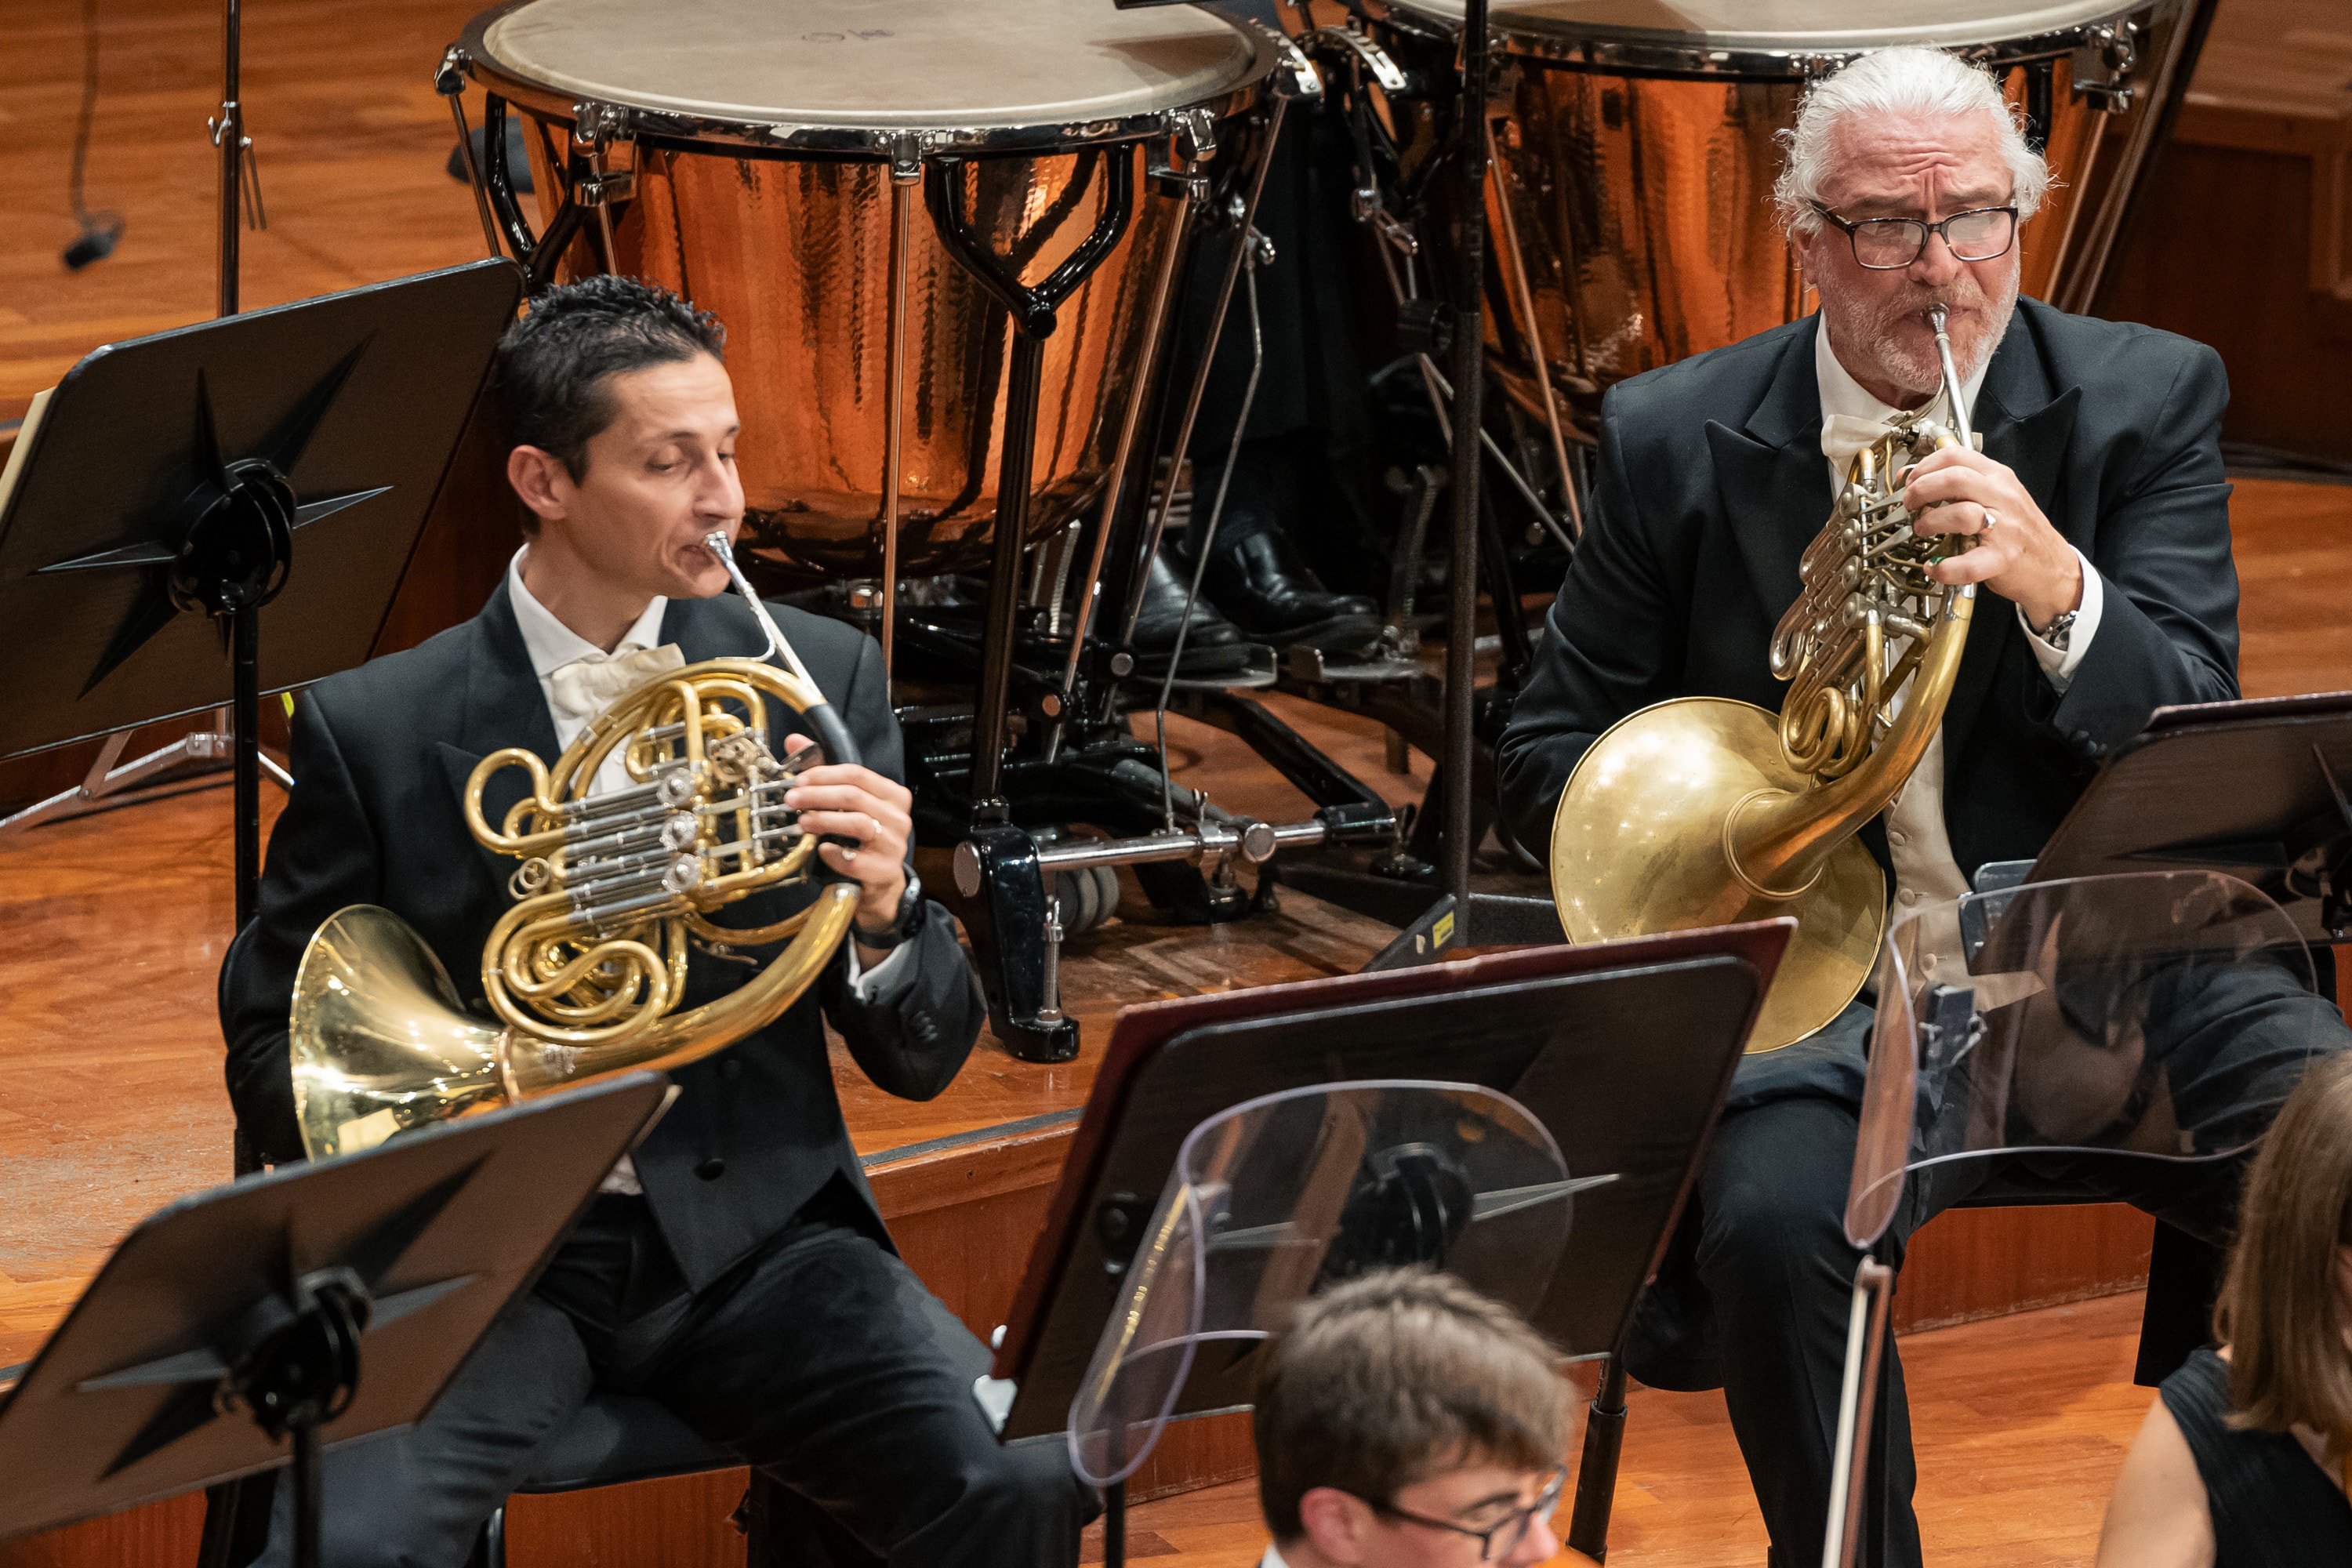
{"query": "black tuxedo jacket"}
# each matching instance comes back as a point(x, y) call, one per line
point(1712, 482)
point(381, 757)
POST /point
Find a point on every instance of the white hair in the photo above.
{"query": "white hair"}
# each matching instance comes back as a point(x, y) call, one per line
point(1908, 79)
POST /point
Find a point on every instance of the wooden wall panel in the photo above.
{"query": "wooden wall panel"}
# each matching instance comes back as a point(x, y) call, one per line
point(1968, 1264)
point(2242, 238)
point(2188, 267)
point(164, 1535)
point(683, 1522)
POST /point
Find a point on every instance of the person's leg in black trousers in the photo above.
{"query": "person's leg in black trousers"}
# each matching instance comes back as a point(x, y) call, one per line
point(416, 1498)
point(1775, 1270)
point(826, 1361)
point(1772, 1256)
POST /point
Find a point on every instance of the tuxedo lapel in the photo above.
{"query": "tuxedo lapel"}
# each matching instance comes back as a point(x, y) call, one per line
point(2024, 427)
point(1772, 478)
point(502, 706)
point(690, 625)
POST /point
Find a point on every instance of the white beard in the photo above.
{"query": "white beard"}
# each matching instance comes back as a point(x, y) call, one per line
point(1876, 335)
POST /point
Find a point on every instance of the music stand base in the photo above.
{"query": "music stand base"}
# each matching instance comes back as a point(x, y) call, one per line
point(1494, 919)
point(105, 780)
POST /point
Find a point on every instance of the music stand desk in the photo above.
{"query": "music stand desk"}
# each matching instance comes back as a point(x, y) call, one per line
point(2255, 789)
point(200, 1331)
point(173, 486)
point(1625, 1051)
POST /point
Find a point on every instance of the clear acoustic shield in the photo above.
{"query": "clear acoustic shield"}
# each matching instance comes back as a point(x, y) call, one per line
point(1279, 1197)
point(2160, 1016)
point(2049, 1031)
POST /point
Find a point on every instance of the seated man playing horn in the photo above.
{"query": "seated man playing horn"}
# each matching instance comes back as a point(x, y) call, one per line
point(2096, 523)
point(735, 1268)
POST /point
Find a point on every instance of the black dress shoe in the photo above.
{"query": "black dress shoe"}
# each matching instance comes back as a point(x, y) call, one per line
point(1260, 582)
point(1212, 644)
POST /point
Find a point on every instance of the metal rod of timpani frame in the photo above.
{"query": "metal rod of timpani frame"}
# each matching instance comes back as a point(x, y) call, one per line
point(1004, 572)
point(1030, 310)
point(906, 179)
point(1468, 267)
point(1515, 267)
point(1162, 289)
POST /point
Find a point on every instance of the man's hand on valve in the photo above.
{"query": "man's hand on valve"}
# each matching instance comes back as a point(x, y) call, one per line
point(856, 803)
point(2014, 551)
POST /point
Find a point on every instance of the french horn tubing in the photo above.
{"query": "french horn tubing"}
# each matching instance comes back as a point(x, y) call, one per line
point(585, 970)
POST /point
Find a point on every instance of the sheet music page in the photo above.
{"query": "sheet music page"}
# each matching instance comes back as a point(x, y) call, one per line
point(23, 444)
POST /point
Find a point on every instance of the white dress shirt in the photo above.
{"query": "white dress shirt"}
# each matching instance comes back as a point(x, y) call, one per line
point(1925, 871)
point(552, 646)
point(1272, 1558)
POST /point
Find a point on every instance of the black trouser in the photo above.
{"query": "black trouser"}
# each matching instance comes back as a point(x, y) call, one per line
point(1312, 404)
point(1755, 1295)
point(821, 1358)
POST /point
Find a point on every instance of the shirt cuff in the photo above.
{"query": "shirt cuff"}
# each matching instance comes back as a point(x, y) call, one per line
point(861, 979)
point(2060, 663)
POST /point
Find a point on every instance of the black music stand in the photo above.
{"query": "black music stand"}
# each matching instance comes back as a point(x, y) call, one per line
point(1624, 1050)
point(2262, 790)
point(2259, 789)
point(166, 481)
point(318, 1304)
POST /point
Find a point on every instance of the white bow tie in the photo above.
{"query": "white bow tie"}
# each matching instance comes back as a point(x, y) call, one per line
point(1843, 434)
point(587, 686)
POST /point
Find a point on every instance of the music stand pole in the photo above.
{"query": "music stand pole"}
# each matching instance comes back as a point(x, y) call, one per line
point(228, 135)
point(245, 727)
point(245, 722)
point(1469, 413)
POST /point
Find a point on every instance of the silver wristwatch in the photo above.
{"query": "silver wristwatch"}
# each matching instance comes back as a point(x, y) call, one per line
point(2059, 632)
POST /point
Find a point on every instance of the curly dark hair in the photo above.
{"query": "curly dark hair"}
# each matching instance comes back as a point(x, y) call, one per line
point(548, 379)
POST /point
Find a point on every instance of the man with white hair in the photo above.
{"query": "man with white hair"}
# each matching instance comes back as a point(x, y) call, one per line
point(2098, 523)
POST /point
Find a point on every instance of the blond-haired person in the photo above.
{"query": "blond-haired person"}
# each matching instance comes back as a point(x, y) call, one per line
point(2245, 1459)
point(1405, 1421)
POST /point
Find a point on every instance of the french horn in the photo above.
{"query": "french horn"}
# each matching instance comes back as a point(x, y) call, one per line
point(1704, 811)
point(585, 970)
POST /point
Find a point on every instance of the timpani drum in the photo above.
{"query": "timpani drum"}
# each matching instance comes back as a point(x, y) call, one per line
point(1634, 147)
point(762, 157)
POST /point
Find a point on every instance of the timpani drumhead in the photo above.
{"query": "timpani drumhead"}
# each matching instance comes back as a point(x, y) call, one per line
point(1827, 27)
point(879, 65)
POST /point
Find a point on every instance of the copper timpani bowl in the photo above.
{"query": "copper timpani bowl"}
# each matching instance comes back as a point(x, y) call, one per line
point(1635, 146)
point(760, 134)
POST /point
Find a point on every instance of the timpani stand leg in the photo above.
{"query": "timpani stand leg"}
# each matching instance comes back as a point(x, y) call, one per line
point(996, 867)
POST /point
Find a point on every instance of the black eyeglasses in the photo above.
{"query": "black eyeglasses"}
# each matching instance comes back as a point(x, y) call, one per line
point(1891, 244)
point(1501, 1538)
